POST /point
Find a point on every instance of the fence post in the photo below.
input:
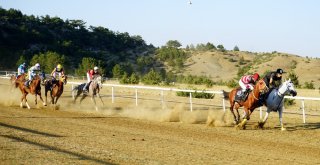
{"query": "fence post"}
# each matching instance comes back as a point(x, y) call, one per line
point(162, 99)
point(112, 94)
point(224, 105)
point(136, 97)
point(190, 102)
point(303, 111)
point(72, 91)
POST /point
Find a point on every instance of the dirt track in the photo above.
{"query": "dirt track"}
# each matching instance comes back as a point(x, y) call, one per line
point(67, 136)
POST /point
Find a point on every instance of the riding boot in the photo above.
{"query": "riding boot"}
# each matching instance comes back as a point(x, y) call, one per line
point(85, 88)
point(27, 83)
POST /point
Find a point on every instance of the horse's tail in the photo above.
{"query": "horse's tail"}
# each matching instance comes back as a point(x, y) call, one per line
point(225, 94)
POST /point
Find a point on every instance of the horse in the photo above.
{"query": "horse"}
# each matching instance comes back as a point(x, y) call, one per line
point(34, 88)
point(249, 104)
point(274, 101)
point(56, 89)
point(94, 89)
point(14, 80)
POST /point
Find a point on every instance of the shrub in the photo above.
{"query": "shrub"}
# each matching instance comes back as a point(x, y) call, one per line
point(196, 95)
point(309, 85)
point(289, 102)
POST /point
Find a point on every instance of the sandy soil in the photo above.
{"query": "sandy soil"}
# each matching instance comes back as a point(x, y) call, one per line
point(122, 133)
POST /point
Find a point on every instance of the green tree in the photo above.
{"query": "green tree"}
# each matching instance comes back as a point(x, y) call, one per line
point(21, 60)
point(294, 79)
point(152, 78)
point(117, 71)
point(88, 63)
point(236, 48)
point(48, 60)
point(173, 44)
point(221, 48)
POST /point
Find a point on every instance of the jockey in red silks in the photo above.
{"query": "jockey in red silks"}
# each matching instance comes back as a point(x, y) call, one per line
point(90, 74)
point(247, 82)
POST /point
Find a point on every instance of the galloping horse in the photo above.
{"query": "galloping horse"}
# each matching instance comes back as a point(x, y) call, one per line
point(274, 101)
point(34, 88)
point(56, 89)
point(94, 89)
point(14, 80)
point(249, 105)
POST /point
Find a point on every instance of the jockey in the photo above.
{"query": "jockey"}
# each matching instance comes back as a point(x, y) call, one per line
point(247, 82)
point(32, 72)
point(57, 71)
point(22, 69)
point(90, 74)
point(273, 79)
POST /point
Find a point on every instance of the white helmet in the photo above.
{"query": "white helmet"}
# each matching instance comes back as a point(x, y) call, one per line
point(95, 68)
point(37, 66)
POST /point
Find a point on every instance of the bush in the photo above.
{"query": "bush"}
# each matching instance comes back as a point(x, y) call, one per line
point(152, 78)
point(133, 79)
point(289, 102)
point(196, 95)
point(309, 85)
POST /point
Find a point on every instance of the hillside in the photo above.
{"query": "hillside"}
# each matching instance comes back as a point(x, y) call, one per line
point(23, 36)
point(225, 65)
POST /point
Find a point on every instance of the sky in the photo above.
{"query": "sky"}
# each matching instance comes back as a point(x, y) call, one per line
point(290, 26)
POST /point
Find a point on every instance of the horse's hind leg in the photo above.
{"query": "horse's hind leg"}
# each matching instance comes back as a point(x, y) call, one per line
point(232, 111)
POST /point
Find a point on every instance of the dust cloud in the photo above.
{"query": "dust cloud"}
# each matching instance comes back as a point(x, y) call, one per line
point(147, 111)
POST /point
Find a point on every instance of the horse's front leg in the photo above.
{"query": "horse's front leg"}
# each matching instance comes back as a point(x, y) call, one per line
point(242, 125)
point(94, 101)
point(43, 103)
point(100, 98)
point(280, 120)
point(261, 123)
point(36, 101)
point(25, 98)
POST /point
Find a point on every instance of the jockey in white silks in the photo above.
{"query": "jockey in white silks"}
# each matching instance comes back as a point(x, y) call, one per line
point(57, 72)
point(90, 73)
point(32, 72)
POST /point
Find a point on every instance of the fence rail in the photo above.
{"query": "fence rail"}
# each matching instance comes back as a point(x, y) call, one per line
point(5, 74)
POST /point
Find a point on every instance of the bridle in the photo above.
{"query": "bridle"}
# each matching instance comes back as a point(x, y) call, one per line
point(264, 90)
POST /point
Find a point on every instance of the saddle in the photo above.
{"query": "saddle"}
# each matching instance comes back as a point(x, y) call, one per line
point(241, 96)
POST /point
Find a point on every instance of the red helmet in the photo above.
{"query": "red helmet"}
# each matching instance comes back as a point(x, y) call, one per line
point(255, 76)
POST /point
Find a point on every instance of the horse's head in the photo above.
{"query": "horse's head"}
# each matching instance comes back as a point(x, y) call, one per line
point(261, 86)
point(287, 87)
point(63, 79)
point(97, 80)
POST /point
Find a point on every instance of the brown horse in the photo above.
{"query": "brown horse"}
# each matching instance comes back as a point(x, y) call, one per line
point(34, 88)
point(14, 81)
point(249, 104)
point(56, 89)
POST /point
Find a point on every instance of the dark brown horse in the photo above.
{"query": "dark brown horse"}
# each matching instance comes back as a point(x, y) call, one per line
point(249, 104)
point(56, 89)
point(34, 88)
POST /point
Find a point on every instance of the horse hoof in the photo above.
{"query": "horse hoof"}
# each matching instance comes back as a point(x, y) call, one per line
point(283, 129)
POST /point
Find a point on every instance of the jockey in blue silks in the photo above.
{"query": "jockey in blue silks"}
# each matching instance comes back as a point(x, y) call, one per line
point(22, 69)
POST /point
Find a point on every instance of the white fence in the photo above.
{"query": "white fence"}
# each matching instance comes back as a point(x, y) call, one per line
point(190, 95)
point(136, 87)
point(5, 74)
